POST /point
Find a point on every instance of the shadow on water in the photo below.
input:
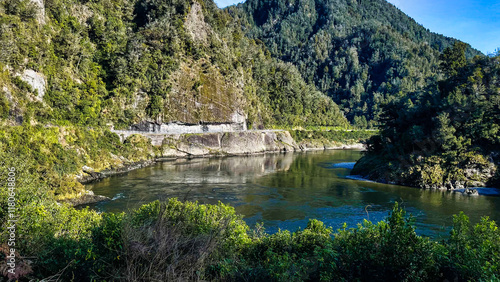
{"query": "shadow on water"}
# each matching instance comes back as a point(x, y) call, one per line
point(286, 190)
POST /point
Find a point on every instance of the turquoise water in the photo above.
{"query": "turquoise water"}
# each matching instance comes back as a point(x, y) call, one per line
point(286, 190)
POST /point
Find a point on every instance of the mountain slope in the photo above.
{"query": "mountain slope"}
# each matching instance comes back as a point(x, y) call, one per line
point(445, 138)
point(359, 52)
point(122, 62)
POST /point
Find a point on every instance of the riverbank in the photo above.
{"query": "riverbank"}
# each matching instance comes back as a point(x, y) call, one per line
point(471, 191)
point(222, 144)
point(244, 143)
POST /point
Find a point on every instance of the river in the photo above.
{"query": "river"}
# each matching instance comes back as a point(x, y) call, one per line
point(285, 190)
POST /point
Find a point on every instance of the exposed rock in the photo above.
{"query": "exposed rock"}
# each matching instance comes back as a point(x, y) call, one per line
point(478, 174)
point(316, 144)
point(470, 192)
point(287, 143)
point(82, 13)
point(229, 143)
point(197, 145)
point(238, 117)
point(94, 176)
point(186, 128)
point(7, 93)
point(243, 143)
point(433, 173)
point(169, 152)
point(36, 81)
point(200, 93)
point(196, 25)
point(87, 198)
point(40, 15)
point(311, 145)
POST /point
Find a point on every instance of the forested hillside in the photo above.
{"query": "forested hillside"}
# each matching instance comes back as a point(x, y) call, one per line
point(359, 52)
point(445, 137)
point(69, 70)
point(121, 62)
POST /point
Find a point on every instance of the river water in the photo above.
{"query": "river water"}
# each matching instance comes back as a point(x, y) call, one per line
point(284, 191)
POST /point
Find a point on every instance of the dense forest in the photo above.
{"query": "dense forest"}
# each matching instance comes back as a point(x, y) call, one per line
point(362, 53)
point(446, 136)
point(123, 62)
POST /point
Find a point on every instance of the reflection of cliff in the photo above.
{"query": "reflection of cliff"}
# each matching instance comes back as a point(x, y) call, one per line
point(225, 170)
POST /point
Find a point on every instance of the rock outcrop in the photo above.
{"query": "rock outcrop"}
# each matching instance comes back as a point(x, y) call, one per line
point(36, 81)
point(91, 175)
point(196, 26)
point(87, 198)
point(228, 143)
point(470, 192)
point(40, 14)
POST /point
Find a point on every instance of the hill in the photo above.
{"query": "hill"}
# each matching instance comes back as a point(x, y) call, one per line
point(122, 62)
point(359, 52)
point(445, 137)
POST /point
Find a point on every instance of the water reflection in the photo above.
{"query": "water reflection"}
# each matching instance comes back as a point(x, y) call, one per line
point(286, 190)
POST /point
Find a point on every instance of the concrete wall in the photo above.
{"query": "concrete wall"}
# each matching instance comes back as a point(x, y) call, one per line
point(179, 128)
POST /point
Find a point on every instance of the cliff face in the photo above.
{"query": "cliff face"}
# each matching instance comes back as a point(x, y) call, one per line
point(236, 143)
point(229, 143)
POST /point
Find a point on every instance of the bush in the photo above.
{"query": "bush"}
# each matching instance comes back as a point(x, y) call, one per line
point(387, 251)
point(473, 251)
point(59, 153)
point(186, 241)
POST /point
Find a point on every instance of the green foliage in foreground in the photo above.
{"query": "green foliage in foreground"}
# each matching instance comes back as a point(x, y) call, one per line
point(176, 241)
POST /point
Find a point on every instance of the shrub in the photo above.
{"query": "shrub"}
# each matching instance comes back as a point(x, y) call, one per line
point(473, 251)
point(387, 251)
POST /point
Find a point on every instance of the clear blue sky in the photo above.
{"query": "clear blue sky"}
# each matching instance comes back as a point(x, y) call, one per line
point(476, 22)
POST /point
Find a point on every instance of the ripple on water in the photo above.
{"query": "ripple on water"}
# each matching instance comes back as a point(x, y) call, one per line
point(286, 190)
point(118, 196)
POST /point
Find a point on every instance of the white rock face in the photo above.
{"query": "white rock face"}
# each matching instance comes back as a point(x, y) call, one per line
point(237, 117)
point(40, 17)
point(36, 81)
point(8, 95)
point(195, 24)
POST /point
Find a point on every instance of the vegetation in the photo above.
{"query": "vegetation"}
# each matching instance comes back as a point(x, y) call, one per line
point(59, 153)
point(278, 63)
point(117, 63)
point(361, 53)
point(446, 136)
point(123, 62)
point(178, 241)
point(338, 136)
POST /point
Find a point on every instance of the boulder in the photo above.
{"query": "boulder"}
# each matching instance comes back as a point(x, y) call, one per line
point(36, 81)
point(470, 192)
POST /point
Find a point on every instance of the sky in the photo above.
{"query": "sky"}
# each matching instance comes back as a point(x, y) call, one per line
point(476, 22)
